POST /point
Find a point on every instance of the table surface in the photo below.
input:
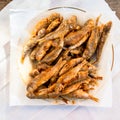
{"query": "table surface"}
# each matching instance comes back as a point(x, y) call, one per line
point(114, 4)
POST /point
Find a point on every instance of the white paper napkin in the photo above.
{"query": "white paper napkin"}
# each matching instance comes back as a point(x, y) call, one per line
point(18, 30)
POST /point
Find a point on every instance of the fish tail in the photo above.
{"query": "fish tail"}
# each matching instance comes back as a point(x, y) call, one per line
point(94, 98)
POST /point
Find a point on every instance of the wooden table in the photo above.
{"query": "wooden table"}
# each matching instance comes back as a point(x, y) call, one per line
point(114, 4)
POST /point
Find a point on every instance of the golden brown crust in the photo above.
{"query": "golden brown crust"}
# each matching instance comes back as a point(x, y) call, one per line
point(61, 53)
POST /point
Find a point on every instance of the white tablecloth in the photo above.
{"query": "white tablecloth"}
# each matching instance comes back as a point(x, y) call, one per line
point(54, 112)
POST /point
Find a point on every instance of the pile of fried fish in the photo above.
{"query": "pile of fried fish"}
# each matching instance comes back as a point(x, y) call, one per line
point(64, 55)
